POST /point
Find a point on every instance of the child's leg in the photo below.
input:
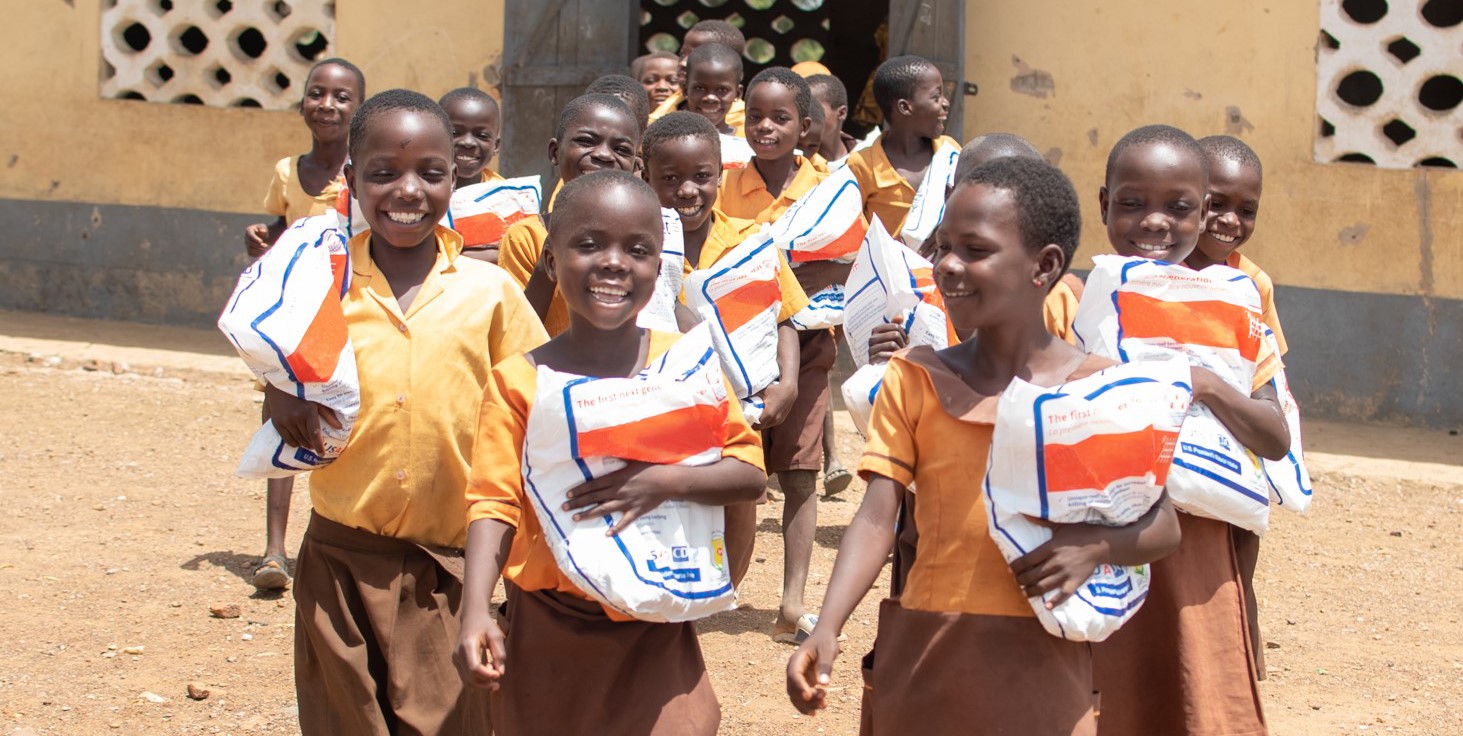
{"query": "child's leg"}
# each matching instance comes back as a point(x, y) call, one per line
point(799, 526)
point(1247, 555)
point(273, 571)
point(836, 478)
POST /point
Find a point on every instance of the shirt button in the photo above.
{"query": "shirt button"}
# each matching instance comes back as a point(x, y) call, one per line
point(401, 475)
point(400, 399)
point(401, 327)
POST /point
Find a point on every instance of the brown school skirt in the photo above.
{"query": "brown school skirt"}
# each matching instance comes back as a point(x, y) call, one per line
point(797, 443)
point(1182, 664)
point(375, 626)
point(571, 671)
point(959, 674)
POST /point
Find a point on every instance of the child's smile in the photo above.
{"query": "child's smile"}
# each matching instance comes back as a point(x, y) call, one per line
point(684, 174)
point(402, 176)
point(1154, 203)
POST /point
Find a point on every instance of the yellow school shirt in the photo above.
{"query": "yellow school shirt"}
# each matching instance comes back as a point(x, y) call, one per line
point(744, 194)
point(287, 199)
point(885, 192)
point(1060, 308)
point(931, 432)
point(495, 487)
point(1267, 295)
point(729, 232)
point(422, 375)
point(489, 175)
point(736, 113)
point(518, 254)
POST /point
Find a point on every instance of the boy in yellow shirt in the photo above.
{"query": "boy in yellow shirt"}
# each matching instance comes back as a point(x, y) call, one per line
point(911, 93)
point(594, 132)
point(778, 115)
point(378, 587)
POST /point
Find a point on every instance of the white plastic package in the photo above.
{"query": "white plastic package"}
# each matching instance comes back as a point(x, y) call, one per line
point(286, 321)
point(670, 564)
point(824, 310)
point(1290, 480)
point(859, 392)
point(482, 212)
point(825, 224)
point(928, 206)
point(740, 297)
point(660, 313)
point(1097, 451)
point(891, 283)
point(1133, 309)
point(735, 152)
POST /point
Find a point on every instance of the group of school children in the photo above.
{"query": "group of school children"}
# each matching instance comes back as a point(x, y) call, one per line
point(415, 523)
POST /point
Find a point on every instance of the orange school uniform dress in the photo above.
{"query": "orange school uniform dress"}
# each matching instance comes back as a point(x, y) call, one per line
point(886, 193)
point(1266, 287)
point(378, 575)
point(1184, 664)
point(961, 631)
point(518, 254)
point(286, 198)
point(650, 676)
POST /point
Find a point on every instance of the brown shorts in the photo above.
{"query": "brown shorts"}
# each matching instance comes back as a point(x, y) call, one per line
point(797, 443)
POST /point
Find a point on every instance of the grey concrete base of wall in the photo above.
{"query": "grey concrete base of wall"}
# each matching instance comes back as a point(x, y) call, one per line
point(141, 264)
point(1371, 357)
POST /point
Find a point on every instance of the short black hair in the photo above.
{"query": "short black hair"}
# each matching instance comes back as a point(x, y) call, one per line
point(714, 53)
point(1047, 210)
point(577, 106)
point(462, 94)
point(830, 89)
point(346, 65)
point(625, 88)
point(723, 33)
point(637, 67)
point(802, 93)
point(1151, 135)
point(895, 80)
point(1232, 148)
point(815, 111)
point(389, 101)
point(675, 126)
point(598, 181)
point(991, 146)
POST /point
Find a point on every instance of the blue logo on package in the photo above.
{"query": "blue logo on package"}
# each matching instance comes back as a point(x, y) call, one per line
point(1213, 456)
point(679, 575)
point(680, 554)
point(1111, 590)
point(307, 457)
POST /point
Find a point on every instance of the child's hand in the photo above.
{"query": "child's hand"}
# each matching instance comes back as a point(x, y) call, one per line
point(480, 635)
point(886, 340)
point(810, 670)
point(777, 401)
point(633, 491)
point(298, 420)
point(256, 239)
point(1063, 563)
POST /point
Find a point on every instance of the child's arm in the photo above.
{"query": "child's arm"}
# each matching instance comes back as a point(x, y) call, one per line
point(298, 420)
point(488, 542)
point(1256, 420)
point(885, 340)
point(815, 276)
point(259, 237)
point(865, 547)
point(1066, 560)
point(778, 398)
point(638, 488)
point(540, 289)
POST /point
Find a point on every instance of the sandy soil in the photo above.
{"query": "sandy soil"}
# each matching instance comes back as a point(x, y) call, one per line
point(123, 525)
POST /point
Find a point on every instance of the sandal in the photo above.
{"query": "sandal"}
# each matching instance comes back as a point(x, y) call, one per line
point(273, 573)
point(836, 482)
point(806, 623)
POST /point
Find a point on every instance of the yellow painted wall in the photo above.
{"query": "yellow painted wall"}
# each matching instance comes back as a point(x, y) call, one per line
point(1116, 65)
point(64, 143)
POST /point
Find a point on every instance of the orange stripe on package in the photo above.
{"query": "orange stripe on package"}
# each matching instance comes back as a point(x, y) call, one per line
point(1096, 450)
point(735, 152)
point(285, 320)
point(740, 298)
point(1135, 309)
point(669, 565)
point(482, 212)
point(825, 224)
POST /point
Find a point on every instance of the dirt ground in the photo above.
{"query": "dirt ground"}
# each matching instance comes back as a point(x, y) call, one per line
point(124, 524)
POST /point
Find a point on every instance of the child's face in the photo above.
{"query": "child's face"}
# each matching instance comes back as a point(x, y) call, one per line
point(598, 138)
point(474, 135)
point(710, 90)
point(685, 173)
point(402, 175)
point(1234, 206)
point(812, 139)
point(332, 94)
point(832, 120)
point(606, 265)
point(773, 124)
point(1153, 205)
point(929, 108)
point(984, 272)
point(659, 77)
